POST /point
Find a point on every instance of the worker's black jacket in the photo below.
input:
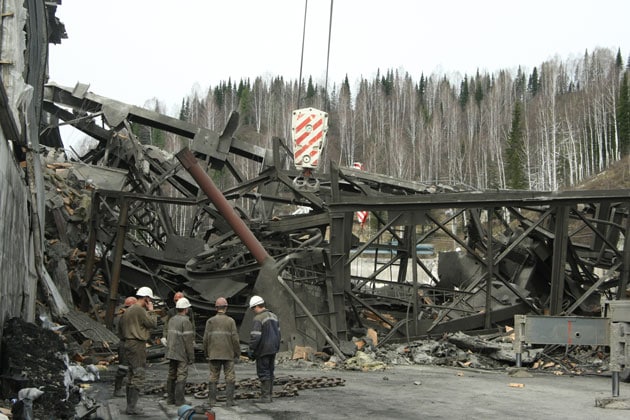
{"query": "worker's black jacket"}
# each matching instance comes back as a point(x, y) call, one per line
point(265, 334)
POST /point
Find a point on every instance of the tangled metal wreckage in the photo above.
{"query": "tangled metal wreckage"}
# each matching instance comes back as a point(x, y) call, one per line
point(160, 220)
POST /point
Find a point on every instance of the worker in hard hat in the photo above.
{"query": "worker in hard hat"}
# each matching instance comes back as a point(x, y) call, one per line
point(122, 370)
point(172, 312)
point(221, 344)
point(135, 326)
point(264, 343)
point(180, 352)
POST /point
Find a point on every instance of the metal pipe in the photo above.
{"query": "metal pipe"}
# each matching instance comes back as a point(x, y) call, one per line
point(270, 268)
point(215, 195)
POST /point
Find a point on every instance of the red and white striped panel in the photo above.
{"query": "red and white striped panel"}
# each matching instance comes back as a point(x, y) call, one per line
point(362, 216)
point(309, 127)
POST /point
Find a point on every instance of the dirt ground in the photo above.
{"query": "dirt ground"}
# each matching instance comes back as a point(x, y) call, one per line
point(400, 389)
point(400, 392)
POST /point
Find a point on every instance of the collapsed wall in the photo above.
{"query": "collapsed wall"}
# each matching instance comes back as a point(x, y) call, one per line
point(27, 28)
point(19, 280)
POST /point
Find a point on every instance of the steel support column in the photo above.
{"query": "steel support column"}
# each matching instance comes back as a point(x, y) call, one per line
point(118, 253)
point(490, 270)
point(625, 270)
point(560, 243)
point(340, 245)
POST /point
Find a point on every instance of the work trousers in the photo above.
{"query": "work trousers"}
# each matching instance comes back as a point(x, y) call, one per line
point(135, 353)
point(122, 370)
point(265, 367)
point(228, 369)
point(177, 370)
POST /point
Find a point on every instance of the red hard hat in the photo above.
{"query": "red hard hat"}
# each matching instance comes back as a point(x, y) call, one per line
point(220, 302)
point(130, 301)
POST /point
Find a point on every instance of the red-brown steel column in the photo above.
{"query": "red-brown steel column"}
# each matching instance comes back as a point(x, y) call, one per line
point(215, 195)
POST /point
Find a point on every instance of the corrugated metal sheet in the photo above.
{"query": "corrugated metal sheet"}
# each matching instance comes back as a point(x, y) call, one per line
point(89, 328)
point(18, 278)
point(17, 282)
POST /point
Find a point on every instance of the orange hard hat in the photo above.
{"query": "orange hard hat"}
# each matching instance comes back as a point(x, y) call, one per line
point(130, 300)
point(178, 296)
point(220, 302)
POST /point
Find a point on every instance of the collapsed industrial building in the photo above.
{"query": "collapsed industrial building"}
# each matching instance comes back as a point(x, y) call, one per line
point(558, 253)
point(434, 260)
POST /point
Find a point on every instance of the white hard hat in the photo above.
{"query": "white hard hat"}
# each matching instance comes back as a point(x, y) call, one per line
point(255, 301)
point(183, 303)
point(145, 291)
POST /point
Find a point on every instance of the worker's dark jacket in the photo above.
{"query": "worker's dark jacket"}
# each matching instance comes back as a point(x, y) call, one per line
point(170, 314)
point(220, 338)
point(180, 340)
point(137, 323)
point(265, 334)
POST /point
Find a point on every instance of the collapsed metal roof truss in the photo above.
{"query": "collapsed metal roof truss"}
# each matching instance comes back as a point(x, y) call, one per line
point(537, 252)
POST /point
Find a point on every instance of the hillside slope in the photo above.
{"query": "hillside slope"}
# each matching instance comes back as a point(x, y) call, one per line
point(615, 177)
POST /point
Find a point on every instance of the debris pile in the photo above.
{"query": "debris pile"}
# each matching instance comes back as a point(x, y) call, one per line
point(34, 357)
point(489, 352)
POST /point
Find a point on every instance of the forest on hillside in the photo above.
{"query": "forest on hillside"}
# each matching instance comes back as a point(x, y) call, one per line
point(546, 129)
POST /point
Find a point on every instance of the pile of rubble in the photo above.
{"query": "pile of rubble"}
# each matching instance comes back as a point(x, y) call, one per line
point(460, 350)
point(35, 357)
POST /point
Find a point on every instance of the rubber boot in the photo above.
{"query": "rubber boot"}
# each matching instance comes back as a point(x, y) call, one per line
point(212, 394)
point(132, 401)
point(229, 394)
point(118, 385)
point(170, 391)
point(264, 391)
point(179, 393)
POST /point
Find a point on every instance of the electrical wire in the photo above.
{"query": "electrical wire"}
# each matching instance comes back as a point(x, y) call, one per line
point(328, 52)
point(299, 99)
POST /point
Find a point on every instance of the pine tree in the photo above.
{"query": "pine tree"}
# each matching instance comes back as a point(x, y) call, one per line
point(520, 85)
point(310, 92)
point(623, 115)
point(184, 112)
point(534, 82)
point(245, 102)
point(515, 155)
point(619, 60)
point(218, 95)
point(387, 82)
point(422, 87)
point(478, 89)
point(464, 93)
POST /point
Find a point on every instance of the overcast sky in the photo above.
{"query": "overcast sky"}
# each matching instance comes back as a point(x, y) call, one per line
point(135, 50)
